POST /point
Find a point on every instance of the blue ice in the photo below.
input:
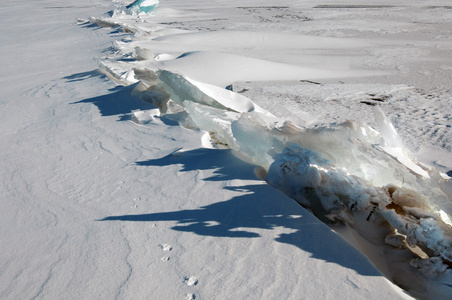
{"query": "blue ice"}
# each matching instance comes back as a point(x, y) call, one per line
point(146, 6)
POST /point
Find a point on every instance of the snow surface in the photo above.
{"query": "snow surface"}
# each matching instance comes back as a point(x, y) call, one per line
point(109, 196)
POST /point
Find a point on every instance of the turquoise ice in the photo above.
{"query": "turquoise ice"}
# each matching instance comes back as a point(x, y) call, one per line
point(145, 6)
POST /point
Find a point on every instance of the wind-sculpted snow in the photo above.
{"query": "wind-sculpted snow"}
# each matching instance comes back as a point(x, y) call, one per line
point(166, 179)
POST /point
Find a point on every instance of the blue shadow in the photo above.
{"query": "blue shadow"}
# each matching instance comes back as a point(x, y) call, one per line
point(257, 206)
point(225, 164)
point(119, 102)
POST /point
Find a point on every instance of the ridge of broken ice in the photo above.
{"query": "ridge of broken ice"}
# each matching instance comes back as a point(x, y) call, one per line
point(346, 172)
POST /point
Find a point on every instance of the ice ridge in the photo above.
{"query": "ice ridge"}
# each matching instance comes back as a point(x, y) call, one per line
point(348, 173)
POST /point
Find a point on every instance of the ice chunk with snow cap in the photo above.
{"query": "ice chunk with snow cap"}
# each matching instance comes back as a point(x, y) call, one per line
point(183, 88)
point(215, 121)
point(145, 6)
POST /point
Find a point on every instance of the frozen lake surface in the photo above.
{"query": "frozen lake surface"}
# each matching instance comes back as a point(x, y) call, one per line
point(159, 154)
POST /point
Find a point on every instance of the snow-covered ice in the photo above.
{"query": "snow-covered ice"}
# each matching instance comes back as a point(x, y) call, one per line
point(172, 171)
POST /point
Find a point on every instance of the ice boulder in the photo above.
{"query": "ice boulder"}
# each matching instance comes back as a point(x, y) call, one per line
point(145, 6)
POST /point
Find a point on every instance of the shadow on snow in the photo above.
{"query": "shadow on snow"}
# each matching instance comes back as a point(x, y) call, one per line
point(258, 206)
point(119, 102)
point(84, 75)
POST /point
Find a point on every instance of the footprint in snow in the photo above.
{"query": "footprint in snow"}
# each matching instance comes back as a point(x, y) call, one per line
point(191, 281)
point(166, 247)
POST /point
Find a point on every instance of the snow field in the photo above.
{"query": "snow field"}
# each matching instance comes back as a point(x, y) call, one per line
point(106, 196)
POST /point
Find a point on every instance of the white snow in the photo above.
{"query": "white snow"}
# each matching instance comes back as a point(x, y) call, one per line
point(145, 179)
